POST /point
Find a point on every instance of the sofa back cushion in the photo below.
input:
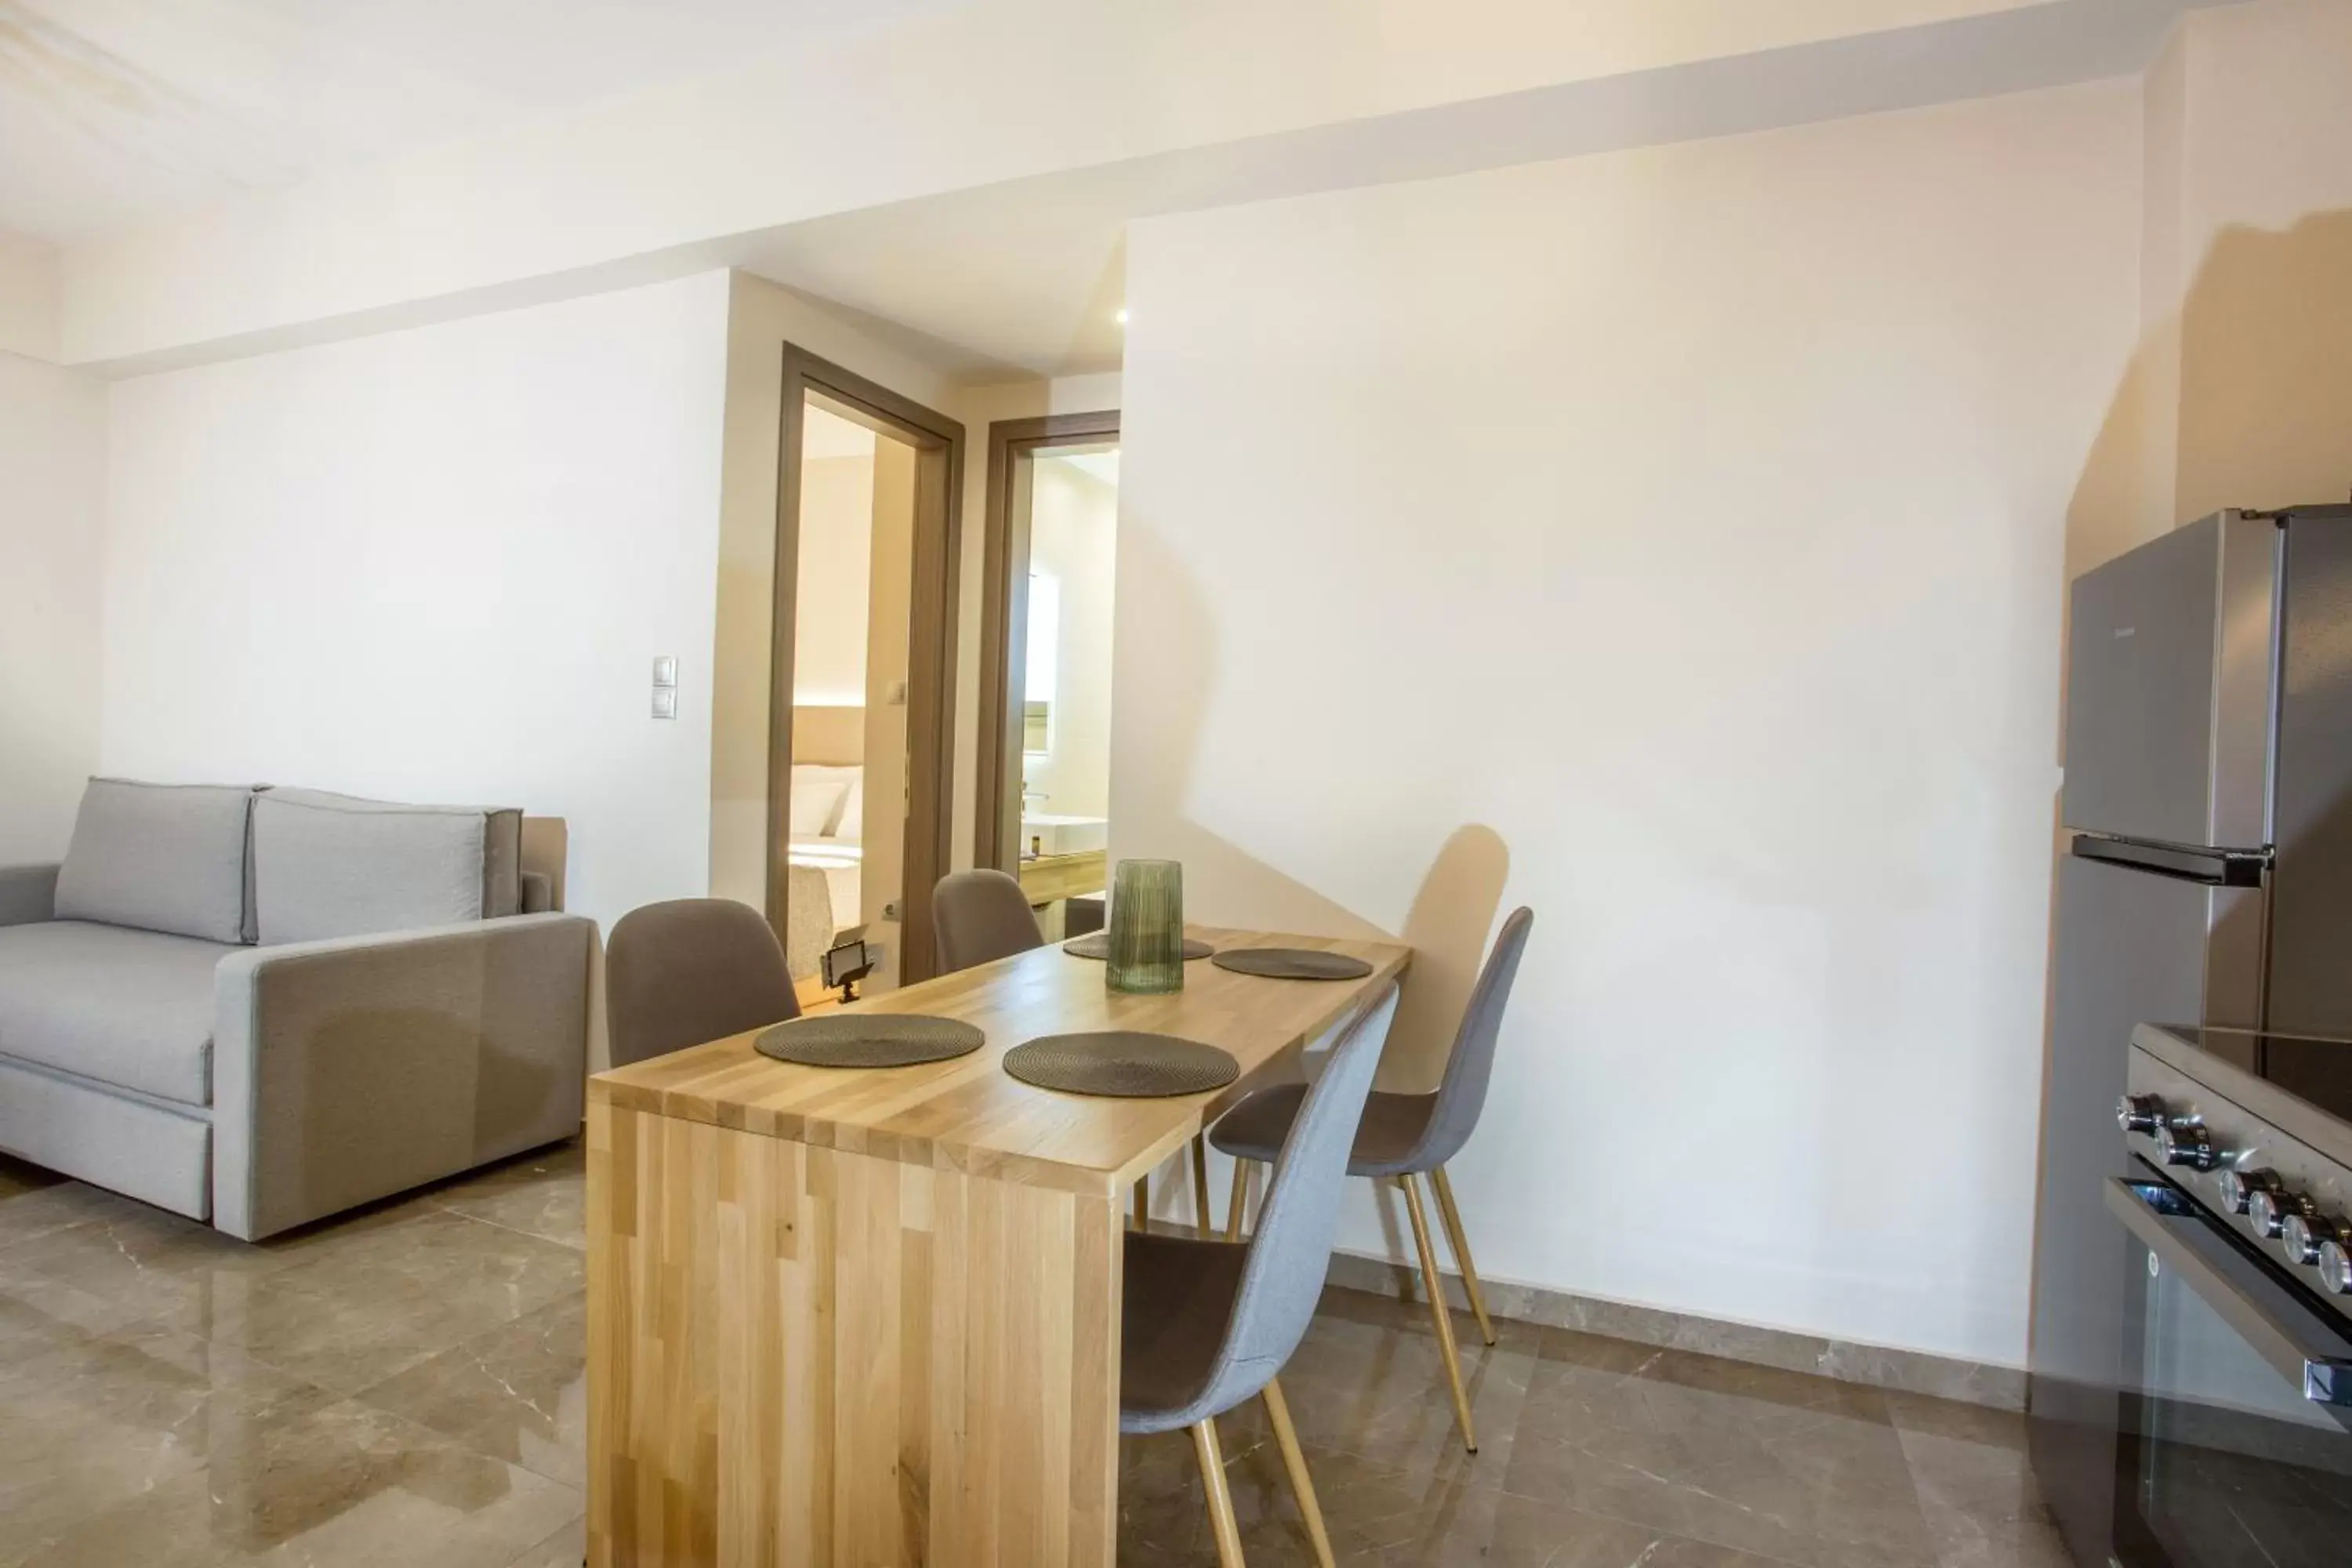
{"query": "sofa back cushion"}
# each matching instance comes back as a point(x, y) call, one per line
point(333, 865)
point(167, 857)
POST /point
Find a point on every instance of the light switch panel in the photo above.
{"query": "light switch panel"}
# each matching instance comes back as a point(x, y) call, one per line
point(666, 670)
point(665, 701)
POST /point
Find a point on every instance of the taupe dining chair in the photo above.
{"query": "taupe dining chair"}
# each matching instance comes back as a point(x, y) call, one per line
point(1207, 1324)
point(691, 970)
point(1405, 1135)
point(978, 917)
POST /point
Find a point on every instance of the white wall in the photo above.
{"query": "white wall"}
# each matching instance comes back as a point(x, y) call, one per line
point(1670, 541)
point(1074, 538)
point(437, 565)
point(52, 489)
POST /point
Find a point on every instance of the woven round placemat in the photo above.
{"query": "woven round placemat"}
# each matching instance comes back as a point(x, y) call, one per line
point(1096, 944)
point(869, 1040)
point(1127, 1064)
point(1292, 964)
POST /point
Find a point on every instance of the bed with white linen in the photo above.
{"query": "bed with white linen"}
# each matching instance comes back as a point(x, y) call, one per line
point(825, 856)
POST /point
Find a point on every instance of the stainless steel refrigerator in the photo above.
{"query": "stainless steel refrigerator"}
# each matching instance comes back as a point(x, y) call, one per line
point(2208, 879)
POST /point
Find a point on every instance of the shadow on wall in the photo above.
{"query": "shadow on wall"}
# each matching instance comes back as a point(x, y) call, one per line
point(2244, 397)
point(1451, 915)
point(2267, 370)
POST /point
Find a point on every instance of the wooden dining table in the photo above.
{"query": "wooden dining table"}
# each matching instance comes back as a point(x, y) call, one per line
point(871, 1316)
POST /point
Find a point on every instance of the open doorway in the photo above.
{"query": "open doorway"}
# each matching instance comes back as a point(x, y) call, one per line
point(861, 721)
point(1044, 764)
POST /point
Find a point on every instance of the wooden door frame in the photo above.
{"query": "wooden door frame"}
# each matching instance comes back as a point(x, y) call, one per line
point(938, 545)
point(1004, 619)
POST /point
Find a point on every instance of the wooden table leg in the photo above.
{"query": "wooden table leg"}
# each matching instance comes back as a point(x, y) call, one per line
point(803, 1356)
point(1238, 1200)
point(1200, 1187)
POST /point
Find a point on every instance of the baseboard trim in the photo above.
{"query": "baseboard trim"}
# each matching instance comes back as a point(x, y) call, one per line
point(1877, 1366)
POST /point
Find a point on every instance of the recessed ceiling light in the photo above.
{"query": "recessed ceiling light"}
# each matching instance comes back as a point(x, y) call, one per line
point(1122, 315)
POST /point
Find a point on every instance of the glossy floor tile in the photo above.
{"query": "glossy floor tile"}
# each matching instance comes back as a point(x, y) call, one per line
point(406, 1387)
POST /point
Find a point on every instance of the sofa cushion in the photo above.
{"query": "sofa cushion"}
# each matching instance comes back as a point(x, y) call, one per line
point(164, 858)
point(333, 865)
point(130, 1008)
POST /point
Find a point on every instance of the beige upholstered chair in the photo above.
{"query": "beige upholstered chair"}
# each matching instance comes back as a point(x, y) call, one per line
point(979, 917)
point(691, 970)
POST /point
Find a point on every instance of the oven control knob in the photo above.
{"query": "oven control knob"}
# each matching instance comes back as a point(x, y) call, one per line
point(2336, 1265)
point(2269, 1207)
point(2238, 1187)
point(2139, 1113)
point(2303, 1233)
point(2190, 1145)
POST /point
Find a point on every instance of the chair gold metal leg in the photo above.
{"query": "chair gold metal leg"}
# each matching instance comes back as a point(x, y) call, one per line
point(1459, 1239)
point(1279, 1409)
point(1221, 1501)
point(1439, 1312)
point(1143, 1203)
point(1240, 1199)
point(1201, 1186)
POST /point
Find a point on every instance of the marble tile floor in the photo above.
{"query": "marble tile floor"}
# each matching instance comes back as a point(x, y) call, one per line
point(405, 1386)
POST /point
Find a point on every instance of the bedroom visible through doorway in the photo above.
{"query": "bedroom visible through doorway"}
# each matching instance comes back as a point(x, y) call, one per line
point(844, 861)
point(861, 716)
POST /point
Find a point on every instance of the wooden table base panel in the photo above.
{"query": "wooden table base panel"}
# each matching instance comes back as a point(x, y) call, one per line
point(812, 1357)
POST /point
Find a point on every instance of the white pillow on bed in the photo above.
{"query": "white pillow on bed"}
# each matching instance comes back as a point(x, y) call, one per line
point(816, 801)
point(849, 816)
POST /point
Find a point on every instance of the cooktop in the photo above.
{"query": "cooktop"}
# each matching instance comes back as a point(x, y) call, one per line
point(2313, 1070)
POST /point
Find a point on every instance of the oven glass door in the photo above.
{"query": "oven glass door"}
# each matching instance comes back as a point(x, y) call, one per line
point(2232, 1449)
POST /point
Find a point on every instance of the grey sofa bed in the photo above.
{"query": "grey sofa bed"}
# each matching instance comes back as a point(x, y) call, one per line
point(262, 1006)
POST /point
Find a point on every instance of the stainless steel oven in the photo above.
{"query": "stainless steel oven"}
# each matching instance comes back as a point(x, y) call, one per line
point(2234, 1438)
point(2234, 1424)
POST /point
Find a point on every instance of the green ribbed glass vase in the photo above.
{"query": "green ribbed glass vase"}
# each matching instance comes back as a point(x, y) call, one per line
point(1147, 927)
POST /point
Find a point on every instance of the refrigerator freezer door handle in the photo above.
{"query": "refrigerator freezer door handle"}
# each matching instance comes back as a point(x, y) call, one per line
point(2213, 867)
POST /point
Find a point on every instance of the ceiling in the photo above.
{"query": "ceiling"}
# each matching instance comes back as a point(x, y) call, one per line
point(1102, 465)
point(1028, 277)
point(990, 284)
point(825, 434)
point(117, 113)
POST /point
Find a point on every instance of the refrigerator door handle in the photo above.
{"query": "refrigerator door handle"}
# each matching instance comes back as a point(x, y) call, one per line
point(2211, 868)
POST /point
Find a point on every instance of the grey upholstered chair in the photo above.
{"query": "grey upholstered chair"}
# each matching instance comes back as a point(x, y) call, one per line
point(691, 970)
point(1207, 1324)
point(979, 917)
point(1405, 1135)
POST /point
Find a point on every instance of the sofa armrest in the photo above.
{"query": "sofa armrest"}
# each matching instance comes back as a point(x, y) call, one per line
point(28, 894)
point(350, 1069)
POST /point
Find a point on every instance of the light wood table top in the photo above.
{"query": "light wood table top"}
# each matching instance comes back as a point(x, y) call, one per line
point(971, 1115)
